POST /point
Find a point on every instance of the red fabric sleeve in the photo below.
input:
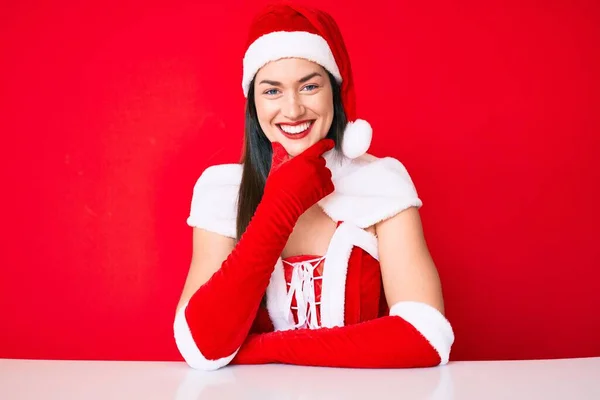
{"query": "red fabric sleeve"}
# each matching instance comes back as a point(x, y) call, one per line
point(386, 342)
point(214, 323)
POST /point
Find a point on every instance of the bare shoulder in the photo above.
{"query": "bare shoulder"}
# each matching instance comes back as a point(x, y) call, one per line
point(405, 223)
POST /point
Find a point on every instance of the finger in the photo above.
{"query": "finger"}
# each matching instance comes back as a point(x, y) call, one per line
point(320, 161)
point(280, 155)
point(329, 186)
point(327, 174)
point(319, 148)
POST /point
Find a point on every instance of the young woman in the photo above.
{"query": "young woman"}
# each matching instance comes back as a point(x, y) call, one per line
point(311, 251)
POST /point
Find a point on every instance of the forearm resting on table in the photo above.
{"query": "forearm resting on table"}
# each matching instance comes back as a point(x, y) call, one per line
point(413, 335)
point(212, 325)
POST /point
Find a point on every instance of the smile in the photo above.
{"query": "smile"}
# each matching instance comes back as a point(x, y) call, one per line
point(296, 131)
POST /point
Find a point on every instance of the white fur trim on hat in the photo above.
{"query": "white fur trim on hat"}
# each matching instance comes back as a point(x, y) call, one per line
point(357, 138)
point(276, 45)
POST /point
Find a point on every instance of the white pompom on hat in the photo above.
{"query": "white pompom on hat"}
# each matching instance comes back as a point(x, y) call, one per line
point(283, 31)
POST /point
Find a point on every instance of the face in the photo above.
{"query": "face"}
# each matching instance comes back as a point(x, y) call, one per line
point(294, 103)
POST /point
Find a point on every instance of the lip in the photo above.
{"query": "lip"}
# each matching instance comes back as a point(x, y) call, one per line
point(294, 123)
point(299, 135)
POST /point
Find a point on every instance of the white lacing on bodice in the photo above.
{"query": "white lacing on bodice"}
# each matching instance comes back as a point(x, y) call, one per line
point(302, 288)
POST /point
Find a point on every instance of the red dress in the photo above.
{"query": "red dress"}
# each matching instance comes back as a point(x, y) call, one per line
point(337, 316)
point(364, 296)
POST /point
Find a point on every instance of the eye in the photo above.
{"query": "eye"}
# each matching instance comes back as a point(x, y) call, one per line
point(310, 87)
point(271, 92)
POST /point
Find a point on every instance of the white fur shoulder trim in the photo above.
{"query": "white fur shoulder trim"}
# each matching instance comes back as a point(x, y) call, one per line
point(430, 323)
point(214, 200)
point(369, 190)
point(188, 349)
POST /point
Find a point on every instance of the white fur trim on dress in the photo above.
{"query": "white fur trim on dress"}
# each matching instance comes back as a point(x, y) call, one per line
point(188, 349)
point(214, 199)
point(369, 190)
point(430, 323)
point(276, 45)
point(335, 270)
point(333, 289)
point(281, 316)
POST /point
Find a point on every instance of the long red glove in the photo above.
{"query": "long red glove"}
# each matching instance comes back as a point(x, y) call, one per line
point(386, 342)
point(211, 327)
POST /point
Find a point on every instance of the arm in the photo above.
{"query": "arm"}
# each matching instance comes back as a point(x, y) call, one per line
point(214, 319)
point(407, 269)
point(415, 334)
point(209, 250)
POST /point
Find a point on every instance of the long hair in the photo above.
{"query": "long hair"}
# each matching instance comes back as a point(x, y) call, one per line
point(257, 153)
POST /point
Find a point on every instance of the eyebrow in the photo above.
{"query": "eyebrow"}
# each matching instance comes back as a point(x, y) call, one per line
point(301, 80)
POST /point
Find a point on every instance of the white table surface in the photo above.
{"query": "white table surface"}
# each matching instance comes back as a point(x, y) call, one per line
point(566, 379)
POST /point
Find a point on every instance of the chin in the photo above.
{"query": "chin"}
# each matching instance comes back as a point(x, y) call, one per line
point(295, 148)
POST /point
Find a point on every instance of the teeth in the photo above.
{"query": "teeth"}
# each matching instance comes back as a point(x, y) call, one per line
point(295, 129)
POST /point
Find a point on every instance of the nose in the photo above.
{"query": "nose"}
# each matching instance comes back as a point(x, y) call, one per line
point(292, 107)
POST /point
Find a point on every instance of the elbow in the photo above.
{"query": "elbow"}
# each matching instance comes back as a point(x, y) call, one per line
point(189, 349)
point(430, 323)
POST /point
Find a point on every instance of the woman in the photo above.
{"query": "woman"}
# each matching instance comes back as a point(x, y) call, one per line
point(310, 251)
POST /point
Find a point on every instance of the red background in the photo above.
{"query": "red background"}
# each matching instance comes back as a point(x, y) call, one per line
point(111, 110)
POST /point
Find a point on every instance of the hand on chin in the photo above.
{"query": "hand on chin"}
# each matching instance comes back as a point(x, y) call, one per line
point(295, 148)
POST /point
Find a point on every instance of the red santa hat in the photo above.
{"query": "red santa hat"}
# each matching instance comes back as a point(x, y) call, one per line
point(283, 31)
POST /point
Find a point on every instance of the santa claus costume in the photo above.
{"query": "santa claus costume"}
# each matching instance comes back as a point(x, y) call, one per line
point(321, 310)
